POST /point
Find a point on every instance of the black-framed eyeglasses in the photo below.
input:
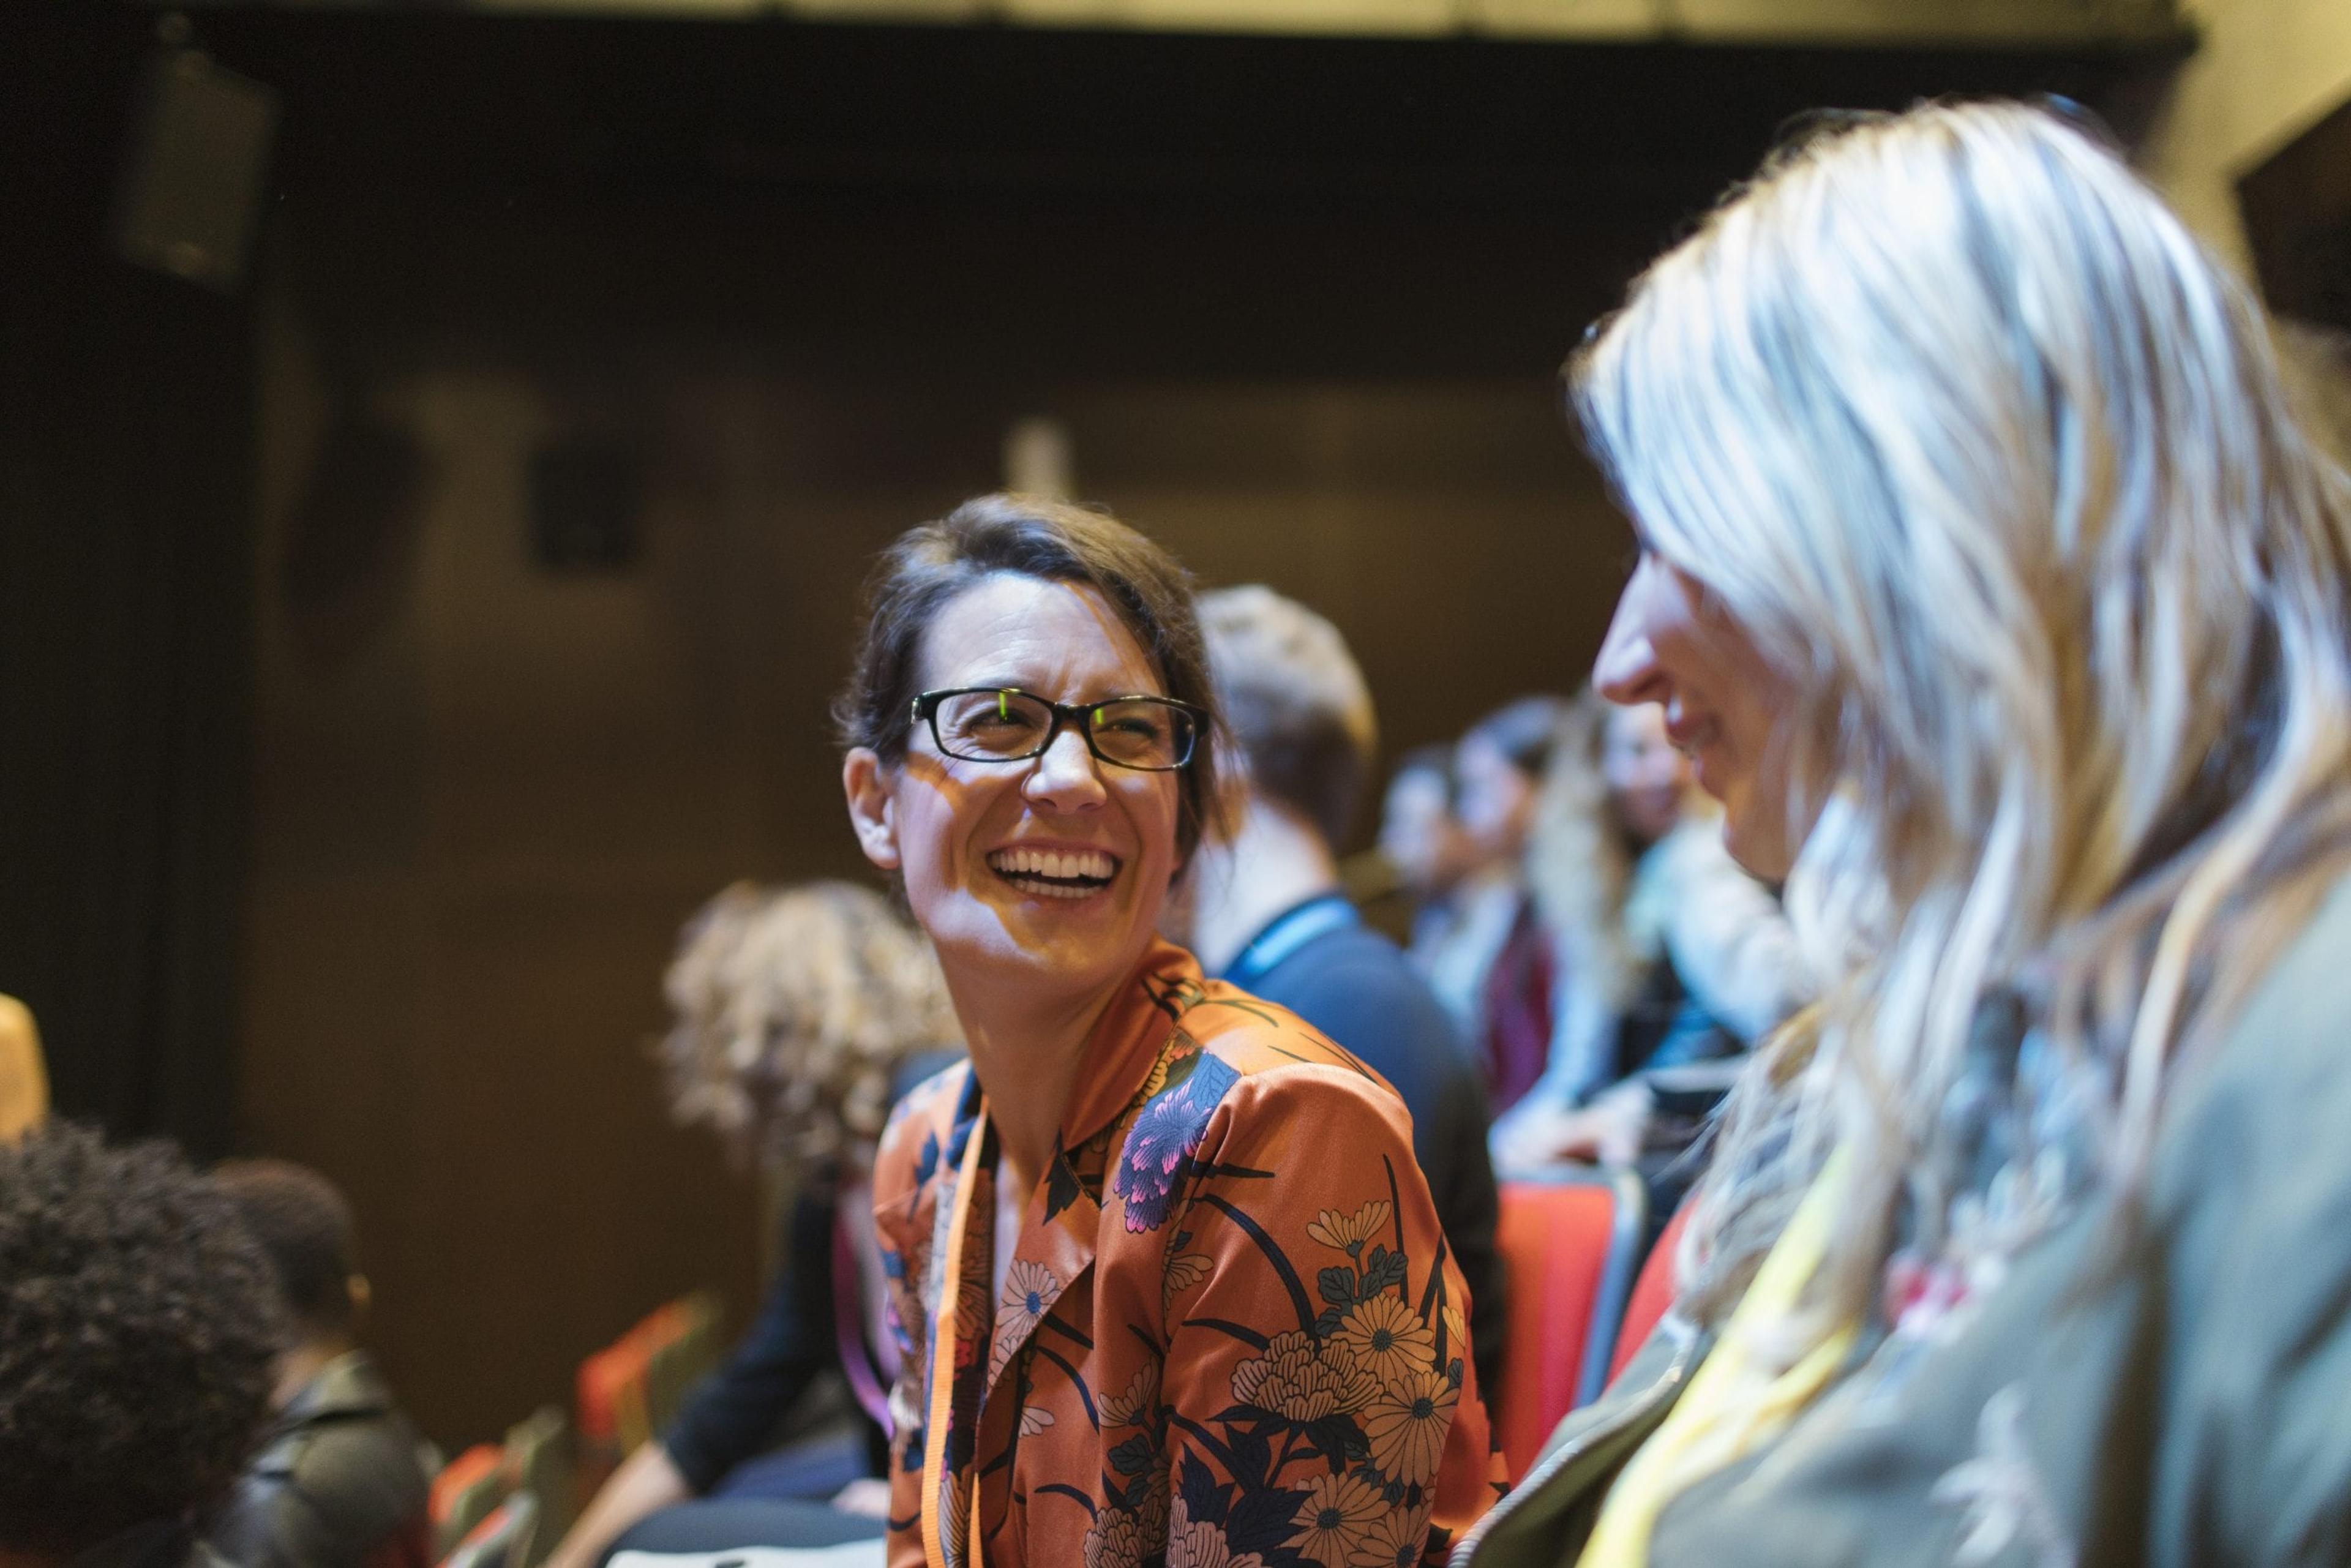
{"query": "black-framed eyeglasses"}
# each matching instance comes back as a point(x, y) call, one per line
point(1004, 724)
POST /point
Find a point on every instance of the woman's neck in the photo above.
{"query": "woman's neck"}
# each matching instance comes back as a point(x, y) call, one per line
point(1027, 1055)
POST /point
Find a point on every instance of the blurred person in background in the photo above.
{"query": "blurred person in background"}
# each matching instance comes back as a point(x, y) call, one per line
point(797, 1011)
point(1266, 911)
point(1422, 842)
point(1491, 963)
point(1100, 1228)
point(139, 1335)
point(1990, 584)
point(341, 1478)
point(23, 1077)
point(1666, 955)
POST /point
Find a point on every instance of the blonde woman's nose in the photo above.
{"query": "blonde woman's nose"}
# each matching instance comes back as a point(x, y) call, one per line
point(1626, 671)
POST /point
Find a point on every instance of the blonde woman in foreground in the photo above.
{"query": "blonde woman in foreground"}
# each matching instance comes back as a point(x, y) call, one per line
point(1991, 587)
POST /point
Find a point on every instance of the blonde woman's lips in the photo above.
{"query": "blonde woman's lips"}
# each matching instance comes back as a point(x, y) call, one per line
point(1688, 734)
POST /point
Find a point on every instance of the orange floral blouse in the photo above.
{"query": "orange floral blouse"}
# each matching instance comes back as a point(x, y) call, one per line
point(1230, 1334)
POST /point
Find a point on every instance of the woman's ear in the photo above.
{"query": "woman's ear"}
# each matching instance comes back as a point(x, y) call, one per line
point(871, 811)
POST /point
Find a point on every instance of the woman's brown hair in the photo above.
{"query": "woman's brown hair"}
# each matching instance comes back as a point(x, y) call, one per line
point(930, 565)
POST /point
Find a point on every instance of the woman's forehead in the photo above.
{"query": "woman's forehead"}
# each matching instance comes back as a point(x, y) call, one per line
point(1014, 630)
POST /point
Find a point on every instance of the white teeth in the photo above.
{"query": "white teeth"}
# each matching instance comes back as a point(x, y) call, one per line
point(1061, 865)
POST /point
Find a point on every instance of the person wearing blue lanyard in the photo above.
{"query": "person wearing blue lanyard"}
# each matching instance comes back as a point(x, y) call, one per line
point(1265, 912)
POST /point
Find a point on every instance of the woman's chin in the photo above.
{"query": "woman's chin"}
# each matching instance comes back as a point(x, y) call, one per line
point(1052, 941)
point(1756, 835)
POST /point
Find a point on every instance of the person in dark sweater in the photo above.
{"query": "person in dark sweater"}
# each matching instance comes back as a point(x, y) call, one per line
point(1265, 909)
point(340, 1479)
point(800, 1014)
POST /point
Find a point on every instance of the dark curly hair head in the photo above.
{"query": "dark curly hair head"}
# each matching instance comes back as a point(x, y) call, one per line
point(138, 1326)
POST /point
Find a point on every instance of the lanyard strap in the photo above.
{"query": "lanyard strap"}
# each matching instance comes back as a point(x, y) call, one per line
point(943, 1351)
point(1290, 931)
point(857, 1360)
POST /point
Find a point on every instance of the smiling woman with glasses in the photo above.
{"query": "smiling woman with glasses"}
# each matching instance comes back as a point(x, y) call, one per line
point(1168, 1286)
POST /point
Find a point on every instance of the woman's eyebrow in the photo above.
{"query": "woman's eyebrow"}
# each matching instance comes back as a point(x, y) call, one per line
point(1106, 695)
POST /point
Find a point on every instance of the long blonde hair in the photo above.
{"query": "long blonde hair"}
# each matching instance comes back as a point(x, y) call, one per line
point(1579, 863)
point(1991, 460)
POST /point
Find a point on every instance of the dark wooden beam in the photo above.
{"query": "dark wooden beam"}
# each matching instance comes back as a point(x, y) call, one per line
point(2297, 208)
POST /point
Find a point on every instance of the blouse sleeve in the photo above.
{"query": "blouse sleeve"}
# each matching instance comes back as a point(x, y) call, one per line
point(1320, 1394)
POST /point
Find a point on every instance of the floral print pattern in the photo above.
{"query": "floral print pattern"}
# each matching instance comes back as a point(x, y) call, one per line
point(1230, 1334)
point(1160, 1145)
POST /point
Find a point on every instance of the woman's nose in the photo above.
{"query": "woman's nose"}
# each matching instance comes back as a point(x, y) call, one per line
point(1066, 774)
point(1627, 672)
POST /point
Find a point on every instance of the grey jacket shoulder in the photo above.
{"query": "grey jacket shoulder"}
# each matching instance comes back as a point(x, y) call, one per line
point(1546, 1517)
point(2158, 1384)
point(2251, 1194)
point(337, 1476)
point(2284, 1054)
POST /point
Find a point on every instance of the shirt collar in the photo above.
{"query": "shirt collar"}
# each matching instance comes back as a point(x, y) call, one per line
point(347, 1386)
point(1127, 1037)
point(1285, 933)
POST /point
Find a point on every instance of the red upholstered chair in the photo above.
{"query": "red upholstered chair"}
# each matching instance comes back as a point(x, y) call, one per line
point(503, 1538)
point(1652, 1292)
point(1569, 1238)
point(543, 1461)
point(610, 1404)
point(611, 1390)
point(628, 1391)
point(466, 1491)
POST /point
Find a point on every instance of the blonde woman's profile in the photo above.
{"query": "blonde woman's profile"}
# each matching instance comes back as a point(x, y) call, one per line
point(1990, 584)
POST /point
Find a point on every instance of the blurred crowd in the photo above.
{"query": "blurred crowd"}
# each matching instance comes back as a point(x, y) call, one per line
point(1574, 909)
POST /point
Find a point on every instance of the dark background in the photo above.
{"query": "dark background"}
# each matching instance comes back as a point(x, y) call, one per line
point(335, 824)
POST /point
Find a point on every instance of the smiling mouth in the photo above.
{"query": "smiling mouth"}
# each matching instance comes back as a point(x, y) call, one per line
point(1690, 736)
point(1055, 874)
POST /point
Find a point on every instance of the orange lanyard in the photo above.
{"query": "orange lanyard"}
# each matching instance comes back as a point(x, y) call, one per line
point(943, 1351)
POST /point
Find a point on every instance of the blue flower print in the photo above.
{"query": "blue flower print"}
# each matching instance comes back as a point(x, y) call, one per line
point(1165, 1136)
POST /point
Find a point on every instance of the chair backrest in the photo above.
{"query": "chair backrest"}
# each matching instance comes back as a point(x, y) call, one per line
point(541, 1459)
point(611, 1399)
point(502, 1540)
point(466, 1491)
point(630, 1389)
point(1570, 1240)
point(1652, 1292)
point(682, 1344)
